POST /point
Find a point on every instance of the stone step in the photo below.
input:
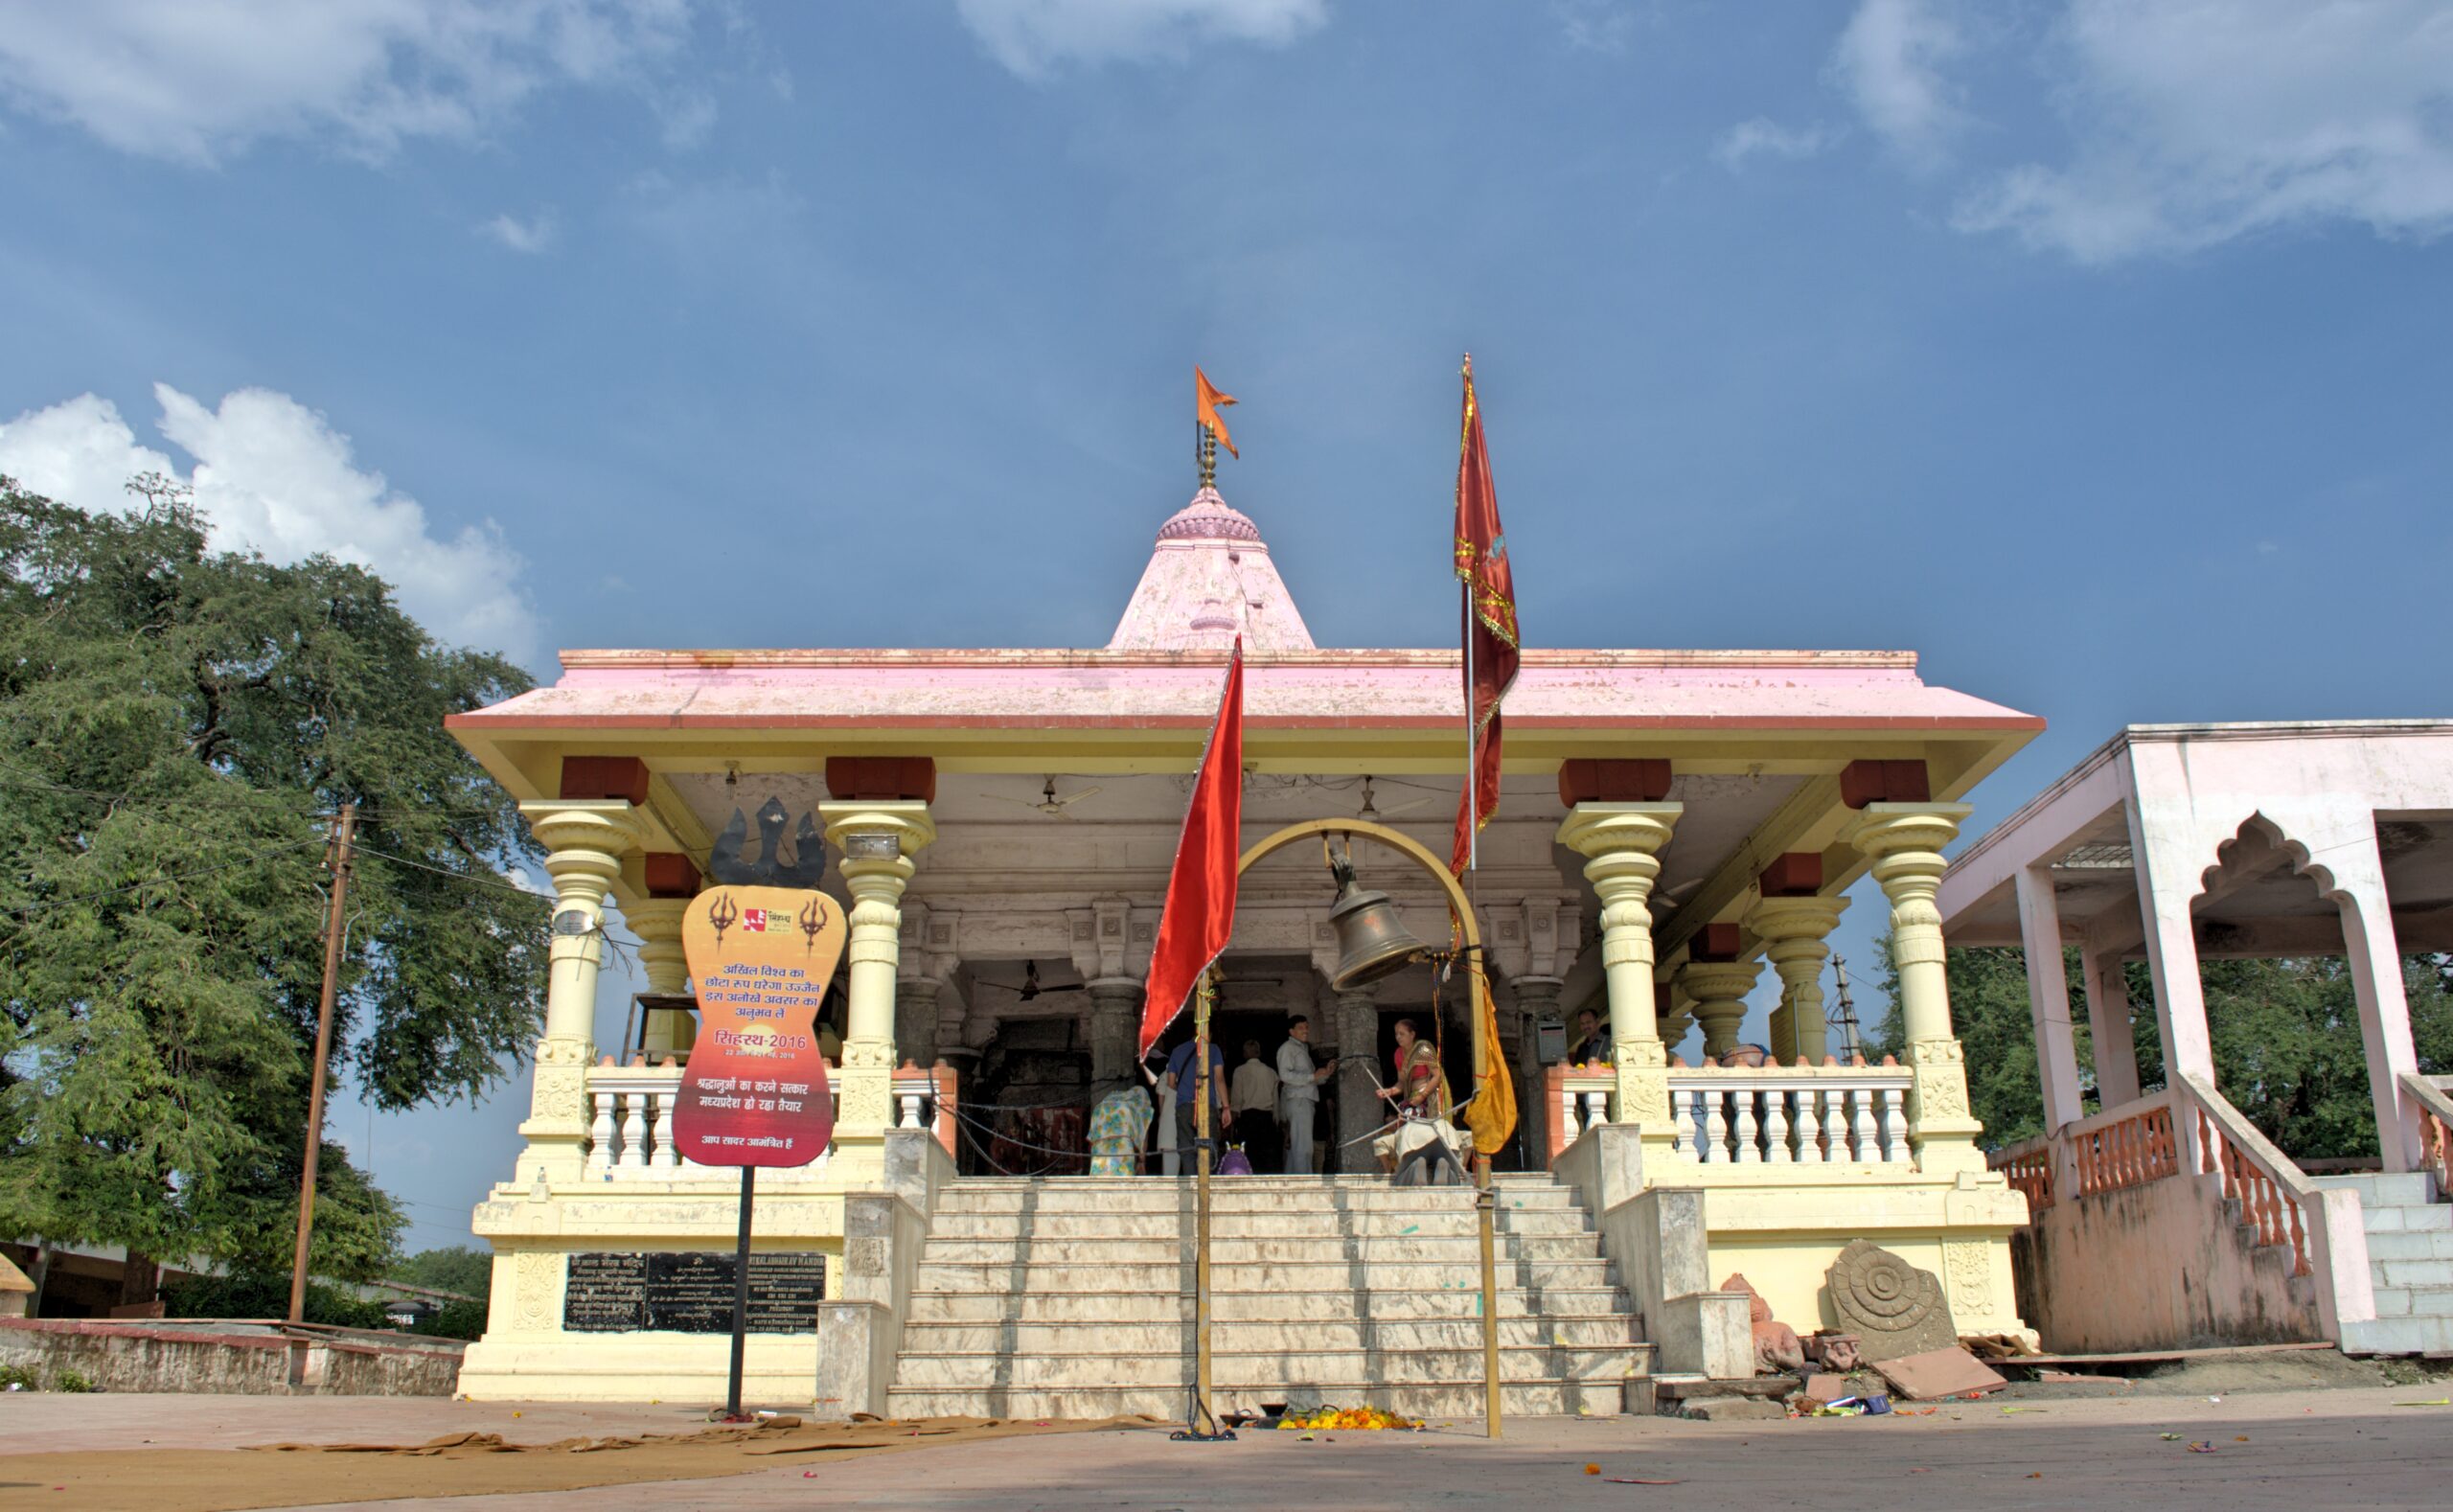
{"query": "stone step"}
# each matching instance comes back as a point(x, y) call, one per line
point(2376, 1188)
point(2411, 1218)
point(2398, 1336)
point(1286, 1223)
point(2403, 1301)
point(1175, 1335)
point(1541, 1398)
point(1277, 1307)
point(1232, 1369)
point(1392, 1249)
point(1178, 1197)
point(2413, 1273)
point(1340, 1275)
point(2424, 1244)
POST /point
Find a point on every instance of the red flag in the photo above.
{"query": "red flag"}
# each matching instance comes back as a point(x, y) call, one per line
point(1199, 915)
point(1491, 651)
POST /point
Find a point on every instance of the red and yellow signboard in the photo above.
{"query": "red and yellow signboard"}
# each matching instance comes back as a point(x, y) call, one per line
point(755, 1092)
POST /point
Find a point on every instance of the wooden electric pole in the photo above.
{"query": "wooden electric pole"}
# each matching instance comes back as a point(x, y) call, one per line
point(343, 831)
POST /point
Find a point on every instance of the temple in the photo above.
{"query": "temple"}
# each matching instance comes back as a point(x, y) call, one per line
point(1673, 822)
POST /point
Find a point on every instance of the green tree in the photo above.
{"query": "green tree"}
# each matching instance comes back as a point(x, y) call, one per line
point(450, 1268)
point(2284, 1034)
point(176, 727)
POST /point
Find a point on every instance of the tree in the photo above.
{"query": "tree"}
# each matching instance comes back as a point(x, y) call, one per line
point(2284, 1034)
point(177, 725)
point(450, 1268)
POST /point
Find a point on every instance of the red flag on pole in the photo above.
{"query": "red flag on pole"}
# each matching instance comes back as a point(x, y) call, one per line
point(1199, 915)
point(1491, 651)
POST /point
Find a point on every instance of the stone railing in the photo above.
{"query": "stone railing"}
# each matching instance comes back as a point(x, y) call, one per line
point(2130, 1146)
point(2028, 1167)
point(630, 1105)
point(1580, 1097)
point(1827, 1115)
point(2435, 1124)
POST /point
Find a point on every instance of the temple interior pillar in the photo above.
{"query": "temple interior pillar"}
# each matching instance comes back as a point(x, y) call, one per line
point(875, 840)
point(1904, 841)
point(1621, 843)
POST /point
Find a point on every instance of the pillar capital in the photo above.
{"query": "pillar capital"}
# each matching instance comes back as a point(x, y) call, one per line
point(1793, 931)
point(1904, 841)
point(584, 842)
point(1719, 989)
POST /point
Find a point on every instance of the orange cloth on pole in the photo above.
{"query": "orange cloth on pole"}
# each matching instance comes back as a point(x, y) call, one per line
point(1199, 914)
point(1492, 1113)
point(1489, 616)
point(1207, 403)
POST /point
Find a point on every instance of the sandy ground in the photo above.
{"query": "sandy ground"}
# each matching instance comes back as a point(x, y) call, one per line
point(2295, 1448)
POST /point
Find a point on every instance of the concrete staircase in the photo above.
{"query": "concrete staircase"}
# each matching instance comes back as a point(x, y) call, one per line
point(2410, 1259)
point(1072, 1298)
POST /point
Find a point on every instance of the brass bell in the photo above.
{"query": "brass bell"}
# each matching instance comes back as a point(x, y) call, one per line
point(1372, 941)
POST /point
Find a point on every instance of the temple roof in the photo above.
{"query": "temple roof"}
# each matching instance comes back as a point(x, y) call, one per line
point(1210, 579)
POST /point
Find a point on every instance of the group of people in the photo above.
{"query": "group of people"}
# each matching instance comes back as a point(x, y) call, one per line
point(1267, 1110)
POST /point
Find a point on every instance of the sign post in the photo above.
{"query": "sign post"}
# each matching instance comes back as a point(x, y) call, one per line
point(755, 1092)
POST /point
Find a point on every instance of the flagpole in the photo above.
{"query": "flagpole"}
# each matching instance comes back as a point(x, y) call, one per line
point(1201, 1399)
point(1486, 1199)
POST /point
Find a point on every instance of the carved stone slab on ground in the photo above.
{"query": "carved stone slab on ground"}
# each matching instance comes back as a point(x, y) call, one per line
point(1894, 1308)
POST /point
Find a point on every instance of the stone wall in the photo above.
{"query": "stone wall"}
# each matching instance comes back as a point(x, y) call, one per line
point(241, 1358)
point(2162, 1266)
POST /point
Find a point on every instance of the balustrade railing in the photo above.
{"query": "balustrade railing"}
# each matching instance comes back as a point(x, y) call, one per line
point(630, 1108)
point(2130, 1146)
point(1792, 1116)
point(2027, 1165)
point(1579, 1098)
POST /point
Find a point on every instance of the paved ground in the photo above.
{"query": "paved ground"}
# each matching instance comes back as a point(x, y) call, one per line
point(2298, 1450)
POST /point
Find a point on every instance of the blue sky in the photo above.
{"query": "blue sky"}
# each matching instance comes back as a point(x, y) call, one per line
point(2098, 351)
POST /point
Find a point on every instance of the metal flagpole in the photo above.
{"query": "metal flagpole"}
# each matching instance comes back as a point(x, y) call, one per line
point(1486, 1201)
point(1202, 1399)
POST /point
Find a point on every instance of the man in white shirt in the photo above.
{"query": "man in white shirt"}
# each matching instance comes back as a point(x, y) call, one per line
point(1253, 1092)
point(1299, 1094)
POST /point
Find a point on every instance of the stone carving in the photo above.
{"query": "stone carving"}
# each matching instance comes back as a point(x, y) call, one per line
point(864, 1258)
point(1969, 1266)
point(1941, 1079)
point(1776, 1347)
point(1894, 1308)
point(537, 1281)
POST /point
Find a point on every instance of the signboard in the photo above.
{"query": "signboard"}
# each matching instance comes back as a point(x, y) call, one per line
point(755, 1090)
point(690, 1292)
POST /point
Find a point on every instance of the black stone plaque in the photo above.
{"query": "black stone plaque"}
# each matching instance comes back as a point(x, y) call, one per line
point(690, 1292)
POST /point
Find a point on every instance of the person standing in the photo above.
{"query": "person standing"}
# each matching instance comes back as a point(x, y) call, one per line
point(1419, 1097)
point(1180, 1126)
point(1119, 1120)
point(1591, 1039)
point(1252, 1091)
point(1299, 1094)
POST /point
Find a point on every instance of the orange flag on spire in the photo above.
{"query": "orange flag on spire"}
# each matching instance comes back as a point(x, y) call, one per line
point(1208, 401)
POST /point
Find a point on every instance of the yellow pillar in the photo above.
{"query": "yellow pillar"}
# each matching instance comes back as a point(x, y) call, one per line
point(875, 841)
point(1719, 989)
point(1904, 842)
point(1621, 843)
point(1793, 931)
point(584, 845)
point(657, 923)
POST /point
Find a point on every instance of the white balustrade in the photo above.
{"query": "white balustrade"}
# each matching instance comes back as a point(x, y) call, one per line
point(1568, 1126)
point(633, 1111)
point(1807, 1117)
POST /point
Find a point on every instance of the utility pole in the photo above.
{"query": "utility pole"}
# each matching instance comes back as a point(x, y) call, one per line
point(1846, 1016)
point(337, 858)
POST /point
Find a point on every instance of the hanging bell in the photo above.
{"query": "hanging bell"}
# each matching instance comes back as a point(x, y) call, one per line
point(1372, 941)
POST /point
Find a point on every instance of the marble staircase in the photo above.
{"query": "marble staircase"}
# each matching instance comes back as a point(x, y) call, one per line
point(2410, 1262)
point(1072, 1298)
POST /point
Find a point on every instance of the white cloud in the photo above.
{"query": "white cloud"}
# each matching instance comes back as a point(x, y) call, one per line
point(1764, 137)
point(1036, 37)
point(1594, 26)
point(196, 80)
point(273, 476)
point(1890, 60)
point(2193, 123)
point(532, 236)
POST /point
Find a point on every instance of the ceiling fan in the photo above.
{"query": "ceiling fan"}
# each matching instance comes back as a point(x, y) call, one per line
point(1031, 986)
point(1048, 802)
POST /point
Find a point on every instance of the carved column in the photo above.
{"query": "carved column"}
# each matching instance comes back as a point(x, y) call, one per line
point(1793, 931)
point(1115, 1024)
point(657, 923)
point(1537, 999)
point(1719, 989)
point(1360, 1109)
point(584, 846)
point(1622, 843)
point(1904, 842)
point(875, 842)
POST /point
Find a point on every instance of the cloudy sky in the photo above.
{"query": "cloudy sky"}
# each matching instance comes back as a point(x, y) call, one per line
point(2097, 350)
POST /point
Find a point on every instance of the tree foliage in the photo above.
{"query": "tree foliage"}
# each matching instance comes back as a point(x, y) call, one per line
point(450, 1268)
point(2284, 1034)
point(177, 725)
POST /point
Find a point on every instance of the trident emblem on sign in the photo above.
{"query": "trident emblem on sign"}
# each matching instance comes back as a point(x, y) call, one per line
point(812, 919)
point(722, 913)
